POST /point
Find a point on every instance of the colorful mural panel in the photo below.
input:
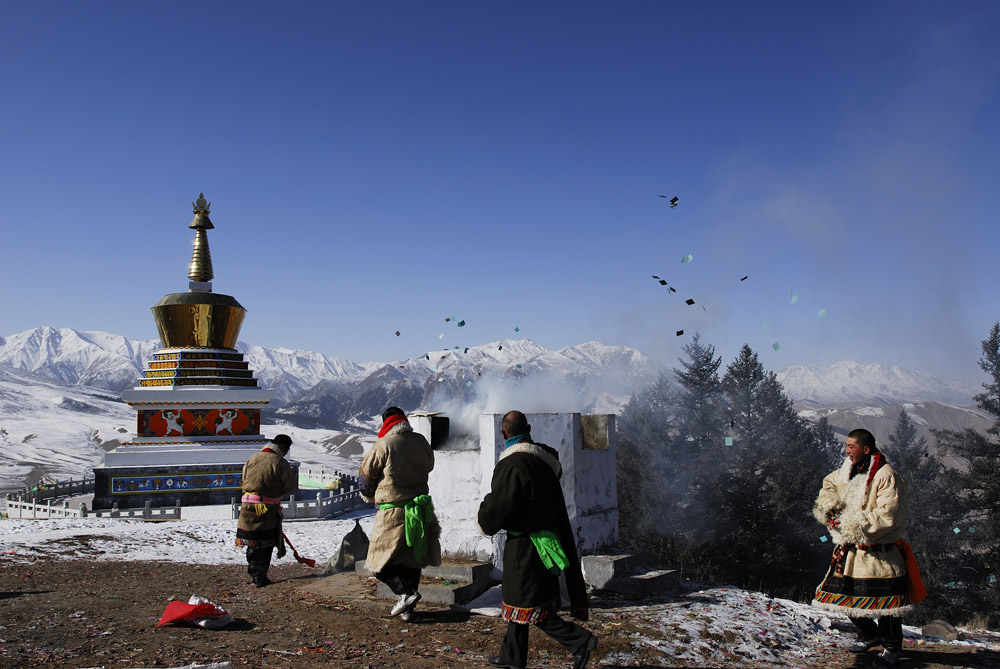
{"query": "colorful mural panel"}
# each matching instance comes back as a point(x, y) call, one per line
point(197, 422)
point(176, 482)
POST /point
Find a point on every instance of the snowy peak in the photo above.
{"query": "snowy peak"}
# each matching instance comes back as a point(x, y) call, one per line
point(848, 382)
point(591, 376)
point(77, 357)
point(113, 362)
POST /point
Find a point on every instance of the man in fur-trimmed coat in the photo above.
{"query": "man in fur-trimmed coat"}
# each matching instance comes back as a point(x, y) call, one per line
point(406, 536)
point(526, 500)
point(863, 504)
point(267, 477)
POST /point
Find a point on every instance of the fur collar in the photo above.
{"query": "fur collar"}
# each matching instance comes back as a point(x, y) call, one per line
point(398, 428)
point(537, 451)
point(854, 496)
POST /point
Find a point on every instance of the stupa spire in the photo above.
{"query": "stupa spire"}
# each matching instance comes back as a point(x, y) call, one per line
point(200, 270)
point(199, 318)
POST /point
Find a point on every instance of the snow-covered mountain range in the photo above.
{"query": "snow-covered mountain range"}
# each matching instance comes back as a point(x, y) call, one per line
point(60, 393)
point(302, 379)
point(318, 390)
point(848, 382)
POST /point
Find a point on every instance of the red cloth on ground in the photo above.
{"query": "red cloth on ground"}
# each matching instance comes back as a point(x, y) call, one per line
point(179, 611)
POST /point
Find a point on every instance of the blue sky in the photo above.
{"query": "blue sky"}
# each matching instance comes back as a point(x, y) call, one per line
point(381, 166)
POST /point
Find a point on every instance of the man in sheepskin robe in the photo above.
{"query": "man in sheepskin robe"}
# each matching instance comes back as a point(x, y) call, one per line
point(406, 536)
point(863, 504)
point(526, 499)
point(267, 477)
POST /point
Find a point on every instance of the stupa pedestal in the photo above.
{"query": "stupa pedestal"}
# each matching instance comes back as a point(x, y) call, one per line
point(197, 404)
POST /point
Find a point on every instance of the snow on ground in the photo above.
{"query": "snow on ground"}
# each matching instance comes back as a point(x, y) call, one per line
point(205, 535)
point(720, 625)
point(703, 626)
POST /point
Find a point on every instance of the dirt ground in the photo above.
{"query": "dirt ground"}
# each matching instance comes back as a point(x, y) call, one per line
point(84, 614)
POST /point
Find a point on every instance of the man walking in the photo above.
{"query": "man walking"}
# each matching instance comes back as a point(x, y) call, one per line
point(406, 536)
point(267, 477)
point(872, 574)
point(526, 500)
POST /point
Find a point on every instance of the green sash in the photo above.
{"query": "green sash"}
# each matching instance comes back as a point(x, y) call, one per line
point(549, 549)
point(417, 512)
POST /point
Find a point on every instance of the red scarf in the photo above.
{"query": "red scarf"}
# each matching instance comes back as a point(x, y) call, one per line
point(390, 423)
point(268, 450)
point(877, 461)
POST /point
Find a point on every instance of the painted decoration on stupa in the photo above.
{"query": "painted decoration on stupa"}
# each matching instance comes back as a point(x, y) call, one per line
point(191, 422)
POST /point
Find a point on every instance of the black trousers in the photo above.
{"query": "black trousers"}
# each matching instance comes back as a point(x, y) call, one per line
point(401, 580)
point(514, 649)
point(888, 628)
point(258, 561)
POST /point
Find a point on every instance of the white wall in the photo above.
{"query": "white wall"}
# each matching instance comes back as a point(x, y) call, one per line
point(461, 478)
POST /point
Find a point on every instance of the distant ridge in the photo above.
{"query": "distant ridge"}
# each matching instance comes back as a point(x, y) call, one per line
point(60, 393)
point(317, 390)
point(594, 376)
point(874, 384)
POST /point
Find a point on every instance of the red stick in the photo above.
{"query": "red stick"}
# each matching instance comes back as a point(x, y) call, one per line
point(299, 558)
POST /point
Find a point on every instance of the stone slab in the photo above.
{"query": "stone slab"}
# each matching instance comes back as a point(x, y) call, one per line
point(598, 570)
point(449, 583)
point(656, 582)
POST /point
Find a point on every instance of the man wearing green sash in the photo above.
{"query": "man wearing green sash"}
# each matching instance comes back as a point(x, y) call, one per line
point(526, 499)
point(406, 534)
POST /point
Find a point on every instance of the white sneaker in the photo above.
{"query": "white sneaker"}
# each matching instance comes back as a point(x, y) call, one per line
point(887, 658)
point(865, 645)
point(405, 602)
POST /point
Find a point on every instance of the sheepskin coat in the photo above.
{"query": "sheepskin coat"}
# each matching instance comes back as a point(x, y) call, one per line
point(395, 471)
point(525, 496)
point(268, 474)
point(867, 577)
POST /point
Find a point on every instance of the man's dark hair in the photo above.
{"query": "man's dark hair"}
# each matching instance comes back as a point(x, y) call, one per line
point(515, 423)
point(392, 411)
point(864, 438)
point(282, 441)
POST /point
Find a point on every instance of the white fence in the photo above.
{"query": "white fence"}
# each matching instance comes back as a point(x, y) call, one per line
point(324, 505)
point(50, 490)
point(324, 480)
point(26, 509)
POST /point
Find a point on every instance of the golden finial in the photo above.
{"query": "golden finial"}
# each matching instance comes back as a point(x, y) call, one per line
point(201, 205)
point(200, 269)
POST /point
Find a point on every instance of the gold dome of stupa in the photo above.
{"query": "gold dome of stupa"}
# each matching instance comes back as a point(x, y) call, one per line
point(199, 318)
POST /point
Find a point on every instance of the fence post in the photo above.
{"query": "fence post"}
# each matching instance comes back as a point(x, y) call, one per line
point(115, 513)
point(177, 506)
point(83, 510)
point(147, 513)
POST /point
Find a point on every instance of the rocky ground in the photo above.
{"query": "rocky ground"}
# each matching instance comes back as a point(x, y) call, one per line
point(79, 613)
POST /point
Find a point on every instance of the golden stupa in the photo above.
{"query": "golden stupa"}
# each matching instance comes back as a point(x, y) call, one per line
point(199, 318)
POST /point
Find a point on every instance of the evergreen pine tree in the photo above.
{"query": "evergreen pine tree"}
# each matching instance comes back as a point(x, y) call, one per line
point(699, 423)
point(830, 448)
point(767, 492)
point(930, 516)
point(975, 589)
point(699, 408)
point(643, 433)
